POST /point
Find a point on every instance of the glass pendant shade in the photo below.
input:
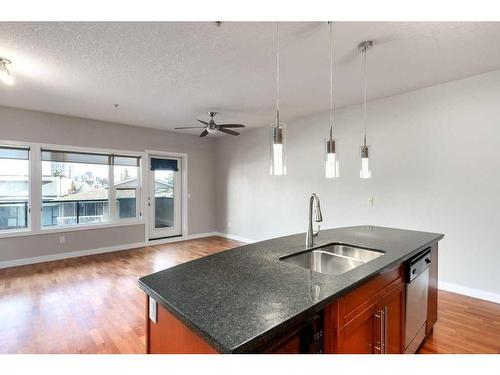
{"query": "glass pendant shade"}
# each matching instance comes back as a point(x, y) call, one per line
point(365, 171)
point(331, 159)
point(277, 150)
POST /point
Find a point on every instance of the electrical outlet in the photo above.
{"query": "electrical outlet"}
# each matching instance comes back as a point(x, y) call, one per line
point(62, 239)
point(370, 201)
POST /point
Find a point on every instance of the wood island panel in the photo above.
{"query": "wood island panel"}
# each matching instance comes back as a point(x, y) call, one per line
point(170, 336)
point(432, 299)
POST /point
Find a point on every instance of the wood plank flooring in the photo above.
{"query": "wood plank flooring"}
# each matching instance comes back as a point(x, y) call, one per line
point(93, 304)
point(465, 325)
point(90, 304)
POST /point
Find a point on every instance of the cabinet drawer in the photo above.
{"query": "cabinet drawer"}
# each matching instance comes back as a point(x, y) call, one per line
point(367, 293)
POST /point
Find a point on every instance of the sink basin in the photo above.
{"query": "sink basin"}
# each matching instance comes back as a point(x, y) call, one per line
point(332, 259)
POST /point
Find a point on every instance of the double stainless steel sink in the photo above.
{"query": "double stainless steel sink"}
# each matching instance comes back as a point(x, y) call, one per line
point(333, 259)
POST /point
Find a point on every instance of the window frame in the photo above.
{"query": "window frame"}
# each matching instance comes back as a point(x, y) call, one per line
point(35, 195)
point(28, 229)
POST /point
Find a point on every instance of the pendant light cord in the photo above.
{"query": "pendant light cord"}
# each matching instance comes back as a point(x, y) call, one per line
point(364, 91)
point(277, 74)
point(331, 80)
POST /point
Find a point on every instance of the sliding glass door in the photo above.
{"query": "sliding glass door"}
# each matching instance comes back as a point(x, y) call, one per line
point(165, 197)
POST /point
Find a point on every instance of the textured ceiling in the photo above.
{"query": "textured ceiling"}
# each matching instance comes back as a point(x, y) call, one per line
point(168, 74)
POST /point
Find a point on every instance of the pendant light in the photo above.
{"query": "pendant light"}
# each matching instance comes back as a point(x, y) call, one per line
point(365, 171)
point(331, 154)
point(278, 129)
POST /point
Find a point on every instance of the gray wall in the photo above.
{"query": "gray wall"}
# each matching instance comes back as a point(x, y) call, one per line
point(31, 126)
point(435, 167)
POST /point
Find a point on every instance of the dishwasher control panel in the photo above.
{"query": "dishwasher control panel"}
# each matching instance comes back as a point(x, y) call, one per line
point(418, 264)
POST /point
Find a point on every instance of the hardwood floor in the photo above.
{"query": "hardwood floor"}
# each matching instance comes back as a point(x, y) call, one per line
point(93, 304)
point(90, 304)
point(465, 325)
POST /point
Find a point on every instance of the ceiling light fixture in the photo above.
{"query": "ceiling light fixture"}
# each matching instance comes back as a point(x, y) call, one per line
point(331, 155)
point(278, 131)
point(5, 76)
point(365, 171)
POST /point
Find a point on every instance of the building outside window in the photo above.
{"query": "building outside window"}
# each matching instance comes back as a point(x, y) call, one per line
point(127, 183)
point(14, 188)
point(74, 188)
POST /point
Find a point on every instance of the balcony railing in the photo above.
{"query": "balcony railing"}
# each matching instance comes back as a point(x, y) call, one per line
point(20, 217)
point(78, 212)
point(64, 212)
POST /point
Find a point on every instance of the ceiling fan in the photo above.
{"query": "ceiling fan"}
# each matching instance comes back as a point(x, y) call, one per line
point(212, 127)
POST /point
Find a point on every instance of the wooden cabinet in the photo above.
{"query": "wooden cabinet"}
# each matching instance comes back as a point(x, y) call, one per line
point(370, 319)
point(360, 334)
point(393, 307)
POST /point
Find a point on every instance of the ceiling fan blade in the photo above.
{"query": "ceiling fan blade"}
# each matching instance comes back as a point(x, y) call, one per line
point(203, 122)
point(204, 133)
point(227, 131)
point(190, 127)
point(232, 125)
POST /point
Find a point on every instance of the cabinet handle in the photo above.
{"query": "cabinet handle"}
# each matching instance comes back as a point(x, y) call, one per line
point(384, 331)
point(379, 315)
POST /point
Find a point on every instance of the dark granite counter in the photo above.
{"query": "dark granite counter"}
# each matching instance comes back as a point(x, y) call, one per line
point(242, 299)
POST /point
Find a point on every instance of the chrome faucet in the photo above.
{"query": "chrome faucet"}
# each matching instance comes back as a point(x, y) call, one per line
point(310, 234)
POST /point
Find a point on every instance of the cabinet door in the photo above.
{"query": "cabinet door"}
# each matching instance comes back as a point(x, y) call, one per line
point(392, 311)
point(359, 336)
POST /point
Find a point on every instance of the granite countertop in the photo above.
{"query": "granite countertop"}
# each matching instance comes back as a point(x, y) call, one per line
point(242, 299)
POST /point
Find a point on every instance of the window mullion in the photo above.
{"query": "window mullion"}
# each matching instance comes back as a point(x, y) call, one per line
point(112, 192)
point(36, 188)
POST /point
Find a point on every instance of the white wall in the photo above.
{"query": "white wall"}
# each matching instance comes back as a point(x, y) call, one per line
point(435, 164)
point(32, 126)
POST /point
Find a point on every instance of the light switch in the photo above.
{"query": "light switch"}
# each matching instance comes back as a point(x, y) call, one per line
point(153, 310)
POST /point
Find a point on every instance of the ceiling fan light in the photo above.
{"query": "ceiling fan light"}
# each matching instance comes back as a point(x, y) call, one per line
point(5, 76)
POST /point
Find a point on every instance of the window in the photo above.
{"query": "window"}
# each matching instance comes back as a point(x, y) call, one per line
point(126, 172)
point(76, 189)
point(14, 188)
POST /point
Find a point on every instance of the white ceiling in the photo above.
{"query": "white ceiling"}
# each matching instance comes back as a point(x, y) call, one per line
point(169, 74)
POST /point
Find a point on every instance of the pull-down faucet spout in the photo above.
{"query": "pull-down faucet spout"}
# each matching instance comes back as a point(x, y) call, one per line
point(318, 217)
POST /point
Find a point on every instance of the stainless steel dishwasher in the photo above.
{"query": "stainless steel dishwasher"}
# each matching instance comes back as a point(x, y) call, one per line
point(417, 287)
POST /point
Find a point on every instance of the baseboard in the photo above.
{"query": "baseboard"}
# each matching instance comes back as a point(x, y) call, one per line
point(102, 250)
point(181, 238)
point(233, 237)
point(67, 255)
point(471, 292)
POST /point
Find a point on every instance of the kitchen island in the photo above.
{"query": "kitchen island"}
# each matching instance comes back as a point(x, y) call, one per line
point(248, 300)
